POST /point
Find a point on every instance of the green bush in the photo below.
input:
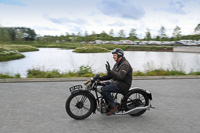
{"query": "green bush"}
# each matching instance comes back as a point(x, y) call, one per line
point(84, 71)
point(194, 73)
point(5, 76)
point(37, 73)
point(159, 72)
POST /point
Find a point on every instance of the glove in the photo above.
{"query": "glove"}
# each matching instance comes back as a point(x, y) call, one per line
point(108, 67)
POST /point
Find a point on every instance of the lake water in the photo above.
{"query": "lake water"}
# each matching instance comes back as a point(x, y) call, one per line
point(66, 60)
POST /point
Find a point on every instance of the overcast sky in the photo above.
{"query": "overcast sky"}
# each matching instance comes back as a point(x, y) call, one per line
point(56, 17)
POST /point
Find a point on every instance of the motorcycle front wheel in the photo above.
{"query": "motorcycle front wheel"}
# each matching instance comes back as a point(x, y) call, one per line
point(79, 105)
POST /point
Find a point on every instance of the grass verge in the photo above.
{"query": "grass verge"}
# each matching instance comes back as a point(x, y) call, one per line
point(6, 76)
point(86, 71)
point(160, 72)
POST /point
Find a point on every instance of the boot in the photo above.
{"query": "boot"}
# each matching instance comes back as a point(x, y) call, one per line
point(112, 111)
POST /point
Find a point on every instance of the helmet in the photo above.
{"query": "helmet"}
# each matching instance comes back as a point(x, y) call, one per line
point(119, 52)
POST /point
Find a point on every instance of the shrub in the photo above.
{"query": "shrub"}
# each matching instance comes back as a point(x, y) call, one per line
point(194, 73)
point(5, 76)
point(84, 70)
point(158, 72)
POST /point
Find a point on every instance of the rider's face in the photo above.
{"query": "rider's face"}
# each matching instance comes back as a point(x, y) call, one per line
point(115, 57)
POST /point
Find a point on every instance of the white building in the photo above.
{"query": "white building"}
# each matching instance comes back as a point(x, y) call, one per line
point(188, 42)
point(126, 42)
point(98, 41)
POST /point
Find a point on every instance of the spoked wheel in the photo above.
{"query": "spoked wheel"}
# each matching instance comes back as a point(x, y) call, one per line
point(79, 105)
point(136, 99)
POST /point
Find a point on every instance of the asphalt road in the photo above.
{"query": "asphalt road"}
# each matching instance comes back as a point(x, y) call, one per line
point(39, 107)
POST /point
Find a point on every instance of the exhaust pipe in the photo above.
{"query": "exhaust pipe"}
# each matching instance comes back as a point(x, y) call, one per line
point(135, 110)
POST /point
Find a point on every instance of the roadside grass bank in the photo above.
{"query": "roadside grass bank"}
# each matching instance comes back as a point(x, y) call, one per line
point(86, 71)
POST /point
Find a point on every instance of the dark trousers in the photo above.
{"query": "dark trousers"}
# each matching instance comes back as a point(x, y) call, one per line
point(107, 90)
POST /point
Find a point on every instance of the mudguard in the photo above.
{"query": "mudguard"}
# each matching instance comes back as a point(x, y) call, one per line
point(142, 90)
point(89, 94)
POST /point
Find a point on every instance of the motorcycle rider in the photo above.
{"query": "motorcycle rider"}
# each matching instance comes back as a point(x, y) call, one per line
point(121, 78)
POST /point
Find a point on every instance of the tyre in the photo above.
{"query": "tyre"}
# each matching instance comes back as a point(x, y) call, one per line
point(79, 105)
point(136, 98)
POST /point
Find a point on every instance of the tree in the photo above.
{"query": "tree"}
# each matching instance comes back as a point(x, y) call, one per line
point(73, 37)
point(62, 38)
point(28, 34)
point(23, 33)
point(162, 33)
point(121, 34)
point(86, 36)
point(147, 35)
point(4, 36)
point(79, 37)
point(111, 33)
point(197, 29)
point(86, 33)
point(12, 33)
point(19, 35)
point(177, 33)
point(132, 34)
point(157, 38)
point(93, 36)
point(67, 36)
point(103, 35)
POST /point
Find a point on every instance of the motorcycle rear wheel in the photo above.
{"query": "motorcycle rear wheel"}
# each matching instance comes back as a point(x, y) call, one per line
point(79, 105)
point(135, 99)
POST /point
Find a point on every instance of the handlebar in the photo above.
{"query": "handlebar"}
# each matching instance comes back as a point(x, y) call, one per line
point(93, 80)
point(87, 82)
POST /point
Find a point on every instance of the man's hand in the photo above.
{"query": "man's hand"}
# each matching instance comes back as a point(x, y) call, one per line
point(108, 67)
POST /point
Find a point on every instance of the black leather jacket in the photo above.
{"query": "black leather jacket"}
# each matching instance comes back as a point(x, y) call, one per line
point(121, 75)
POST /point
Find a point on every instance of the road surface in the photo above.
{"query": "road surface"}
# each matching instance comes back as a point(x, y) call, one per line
point(39, 107)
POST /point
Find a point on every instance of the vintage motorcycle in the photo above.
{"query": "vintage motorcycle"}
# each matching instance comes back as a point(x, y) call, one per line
point(82, 102)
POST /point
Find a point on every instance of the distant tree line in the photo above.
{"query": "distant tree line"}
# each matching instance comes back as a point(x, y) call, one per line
point(8, 34)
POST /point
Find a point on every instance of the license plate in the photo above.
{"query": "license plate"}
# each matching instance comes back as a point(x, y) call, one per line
point(76, 87)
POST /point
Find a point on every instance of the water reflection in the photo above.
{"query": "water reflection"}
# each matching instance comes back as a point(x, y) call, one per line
point(66, 60)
